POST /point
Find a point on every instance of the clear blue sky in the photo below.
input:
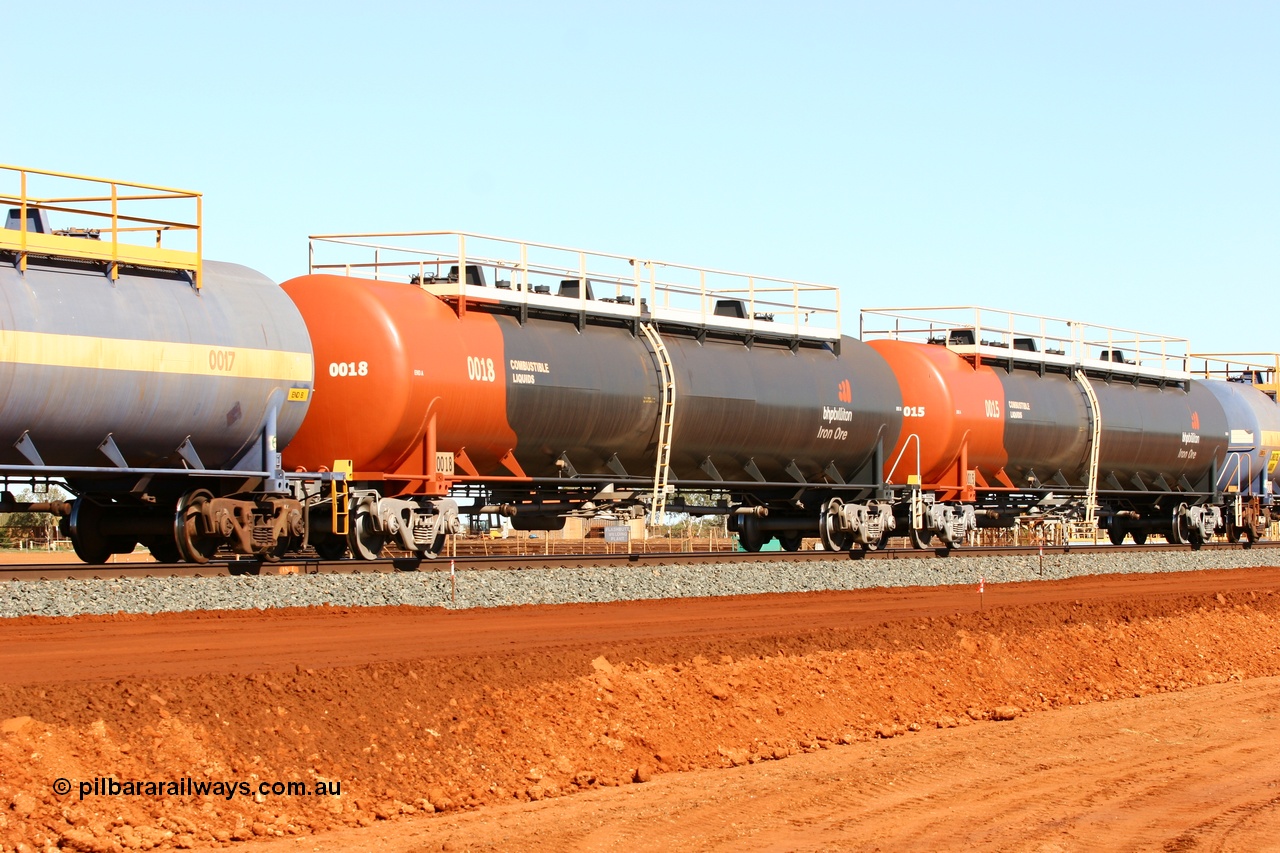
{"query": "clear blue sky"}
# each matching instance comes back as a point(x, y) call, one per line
point(1116, 162)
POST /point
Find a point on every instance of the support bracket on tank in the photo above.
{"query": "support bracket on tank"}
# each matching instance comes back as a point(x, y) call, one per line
point(833, 473)
point(188, 453)
point(615, 465)
point(510, 462)
point(795, 473)
point(463, 461)
point(709, 467)
point(27, 448)
point(566, 466)
point(752, 471)
point(112, 452)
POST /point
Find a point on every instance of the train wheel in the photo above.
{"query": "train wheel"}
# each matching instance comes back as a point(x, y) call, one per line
point(1178, 526)
point(365, 543)
point(285, 546)
point(330, 547)
point(192, 544)
point(93, 553)
point(434, 549)
point(89, 544)
point(920, 539)
point(1139, 537)
point(791, 541)
point(1188, 532)
point(1116, 533)
point(833, 539)
point(750, 535)
point(164, 549)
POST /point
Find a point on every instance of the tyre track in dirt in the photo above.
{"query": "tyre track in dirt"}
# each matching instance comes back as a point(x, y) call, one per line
point(1195, 770)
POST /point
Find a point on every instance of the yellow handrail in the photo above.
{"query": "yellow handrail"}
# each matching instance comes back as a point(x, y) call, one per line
point(89, 243)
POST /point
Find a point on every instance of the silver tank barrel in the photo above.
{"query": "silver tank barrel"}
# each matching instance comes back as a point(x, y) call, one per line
point(148, 361)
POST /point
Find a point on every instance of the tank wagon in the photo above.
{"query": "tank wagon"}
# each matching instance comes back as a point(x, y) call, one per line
point(1010, 416)
point(555, 381)
point(1245, 385)
point(158, 385)
point(547, 382)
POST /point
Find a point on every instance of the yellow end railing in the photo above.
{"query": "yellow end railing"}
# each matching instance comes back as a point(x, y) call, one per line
point(117, 213)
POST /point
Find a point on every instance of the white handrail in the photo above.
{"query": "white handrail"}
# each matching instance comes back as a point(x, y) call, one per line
point(798, 306)
point(889, 477)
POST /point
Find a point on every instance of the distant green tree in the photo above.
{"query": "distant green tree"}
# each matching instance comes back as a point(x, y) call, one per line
point(681, 525)
point(19, 527)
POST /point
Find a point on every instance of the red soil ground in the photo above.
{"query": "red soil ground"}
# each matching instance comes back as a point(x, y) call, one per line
point(1123, 712)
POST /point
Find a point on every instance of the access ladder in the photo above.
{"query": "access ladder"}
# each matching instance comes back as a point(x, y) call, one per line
point(666, 422)
point(340, 498)
point(1095, 440)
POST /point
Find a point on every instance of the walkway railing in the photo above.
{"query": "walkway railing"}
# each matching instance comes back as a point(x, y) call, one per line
point(114, 221)
point(544, 274)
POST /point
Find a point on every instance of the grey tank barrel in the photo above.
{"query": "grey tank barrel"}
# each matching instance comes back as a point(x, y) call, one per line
point(146, 369)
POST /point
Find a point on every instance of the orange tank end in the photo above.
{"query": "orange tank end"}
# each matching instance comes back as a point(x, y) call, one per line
point(391, 359)
point(953, 416)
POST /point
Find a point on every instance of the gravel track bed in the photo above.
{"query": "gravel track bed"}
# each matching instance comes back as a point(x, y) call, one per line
point(505, 588)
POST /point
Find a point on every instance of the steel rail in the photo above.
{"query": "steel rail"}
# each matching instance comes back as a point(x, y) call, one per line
point(314, 565)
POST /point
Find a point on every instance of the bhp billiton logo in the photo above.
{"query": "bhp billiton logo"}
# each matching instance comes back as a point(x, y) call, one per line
point(1195, 420)
point(846, 393)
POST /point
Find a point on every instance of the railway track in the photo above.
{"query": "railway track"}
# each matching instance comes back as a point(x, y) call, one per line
point(226, 568)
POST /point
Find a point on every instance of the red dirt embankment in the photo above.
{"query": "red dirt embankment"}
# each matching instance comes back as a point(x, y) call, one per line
point(416, 711)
